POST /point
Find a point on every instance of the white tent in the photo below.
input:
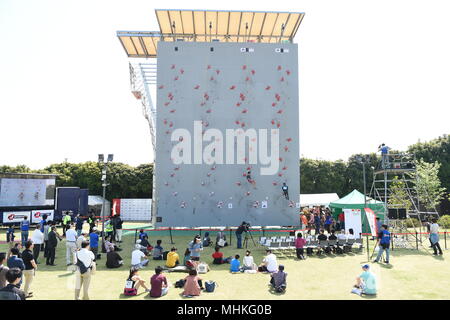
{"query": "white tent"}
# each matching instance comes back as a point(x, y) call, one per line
point(317, 199)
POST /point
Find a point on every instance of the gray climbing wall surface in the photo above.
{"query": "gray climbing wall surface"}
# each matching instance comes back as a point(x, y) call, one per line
point(226, 86)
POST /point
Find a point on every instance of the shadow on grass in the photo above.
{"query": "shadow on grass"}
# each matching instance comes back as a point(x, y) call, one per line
point(122, 296)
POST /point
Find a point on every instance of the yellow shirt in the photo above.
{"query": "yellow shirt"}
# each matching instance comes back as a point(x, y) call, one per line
point(172, 257)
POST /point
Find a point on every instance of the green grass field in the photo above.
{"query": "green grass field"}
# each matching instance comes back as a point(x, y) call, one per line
point(412, 274)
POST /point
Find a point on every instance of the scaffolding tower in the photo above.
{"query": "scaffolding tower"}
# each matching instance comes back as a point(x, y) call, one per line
point(401, 167)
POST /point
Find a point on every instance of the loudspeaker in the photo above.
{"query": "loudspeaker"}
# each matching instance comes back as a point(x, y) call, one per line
point(402, 214)
point(392, 214)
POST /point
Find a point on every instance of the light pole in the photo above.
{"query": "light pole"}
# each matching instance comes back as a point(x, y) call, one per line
point(363, 159)
point(101, 160)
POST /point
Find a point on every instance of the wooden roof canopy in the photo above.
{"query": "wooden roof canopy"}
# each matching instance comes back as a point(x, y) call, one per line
point(209, 25)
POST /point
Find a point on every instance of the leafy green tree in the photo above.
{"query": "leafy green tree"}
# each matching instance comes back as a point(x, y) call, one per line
point(398, 196)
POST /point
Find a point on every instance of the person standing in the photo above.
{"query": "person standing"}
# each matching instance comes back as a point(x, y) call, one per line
point(78, 224)
point(51, 245)
point(195, 247)
point(93, 241)
point(304, 221)
point(384, 239)
point(384, 155)
point(85, 269)
point(91, 222)
point(241, 229)
point(317, 223)
point(71, 244)
point(109, 228)
point(341, 218)
point(299, 245)
point(12, 290)
point(30, 266)
point(24, 228)
point(3, 270)
point(434, 237)
point(66, 223)
point(47, 229)
point(10, 237)
point(118, 224)
point(38, 240)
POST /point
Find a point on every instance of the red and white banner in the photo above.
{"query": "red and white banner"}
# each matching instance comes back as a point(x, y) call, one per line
point(36, 215)
point(115, 207)
point(371, 218)
point(15, 216)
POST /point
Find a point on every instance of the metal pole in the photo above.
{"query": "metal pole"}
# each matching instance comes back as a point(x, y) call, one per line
point(445, 239)
point(230, 237)
point(135, 236)
point(170, 231)
point(364, 179)
point(103, 208)
point(417, 242)
point(367, 241)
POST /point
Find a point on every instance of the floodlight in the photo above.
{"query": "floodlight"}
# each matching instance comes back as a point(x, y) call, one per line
point(110, 157)
point(101, 158)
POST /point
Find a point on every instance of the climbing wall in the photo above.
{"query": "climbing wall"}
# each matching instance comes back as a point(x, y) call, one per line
point(226, 86)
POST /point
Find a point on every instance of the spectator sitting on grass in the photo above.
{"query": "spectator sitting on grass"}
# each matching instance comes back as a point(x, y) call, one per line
point(269, 263)
point(218, 257)
point(235, 264)
point(158, 251)
point(146, 244)
point(248, 262)
point(206, 240)
point(278, 280)
point(192, 285)
point(136, 257)
point(187, 256)
point(173, 259)
point(137, 280)
point(159, 284)
point(113, 260)
point(366, 283)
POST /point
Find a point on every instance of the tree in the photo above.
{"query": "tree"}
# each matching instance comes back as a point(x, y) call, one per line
point(428, 184)
point(398, 196)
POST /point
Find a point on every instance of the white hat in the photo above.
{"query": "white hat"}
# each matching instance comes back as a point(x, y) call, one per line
point(138, 241)
point(94, 229)
point(137, 246)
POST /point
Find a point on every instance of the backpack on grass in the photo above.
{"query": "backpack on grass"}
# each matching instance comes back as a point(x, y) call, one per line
point(210, 286)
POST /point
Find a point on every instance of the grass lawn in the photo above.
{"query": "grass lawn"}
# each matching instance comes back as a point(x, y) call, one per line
point(412, 274)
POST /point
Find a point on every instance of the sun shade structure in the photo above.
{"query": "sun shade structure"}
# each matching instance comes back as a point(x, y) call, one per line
point(208, 26)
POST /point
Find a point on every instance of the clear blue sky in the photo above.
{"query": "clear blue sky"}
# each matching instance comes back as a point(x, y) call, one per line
point(370, 72)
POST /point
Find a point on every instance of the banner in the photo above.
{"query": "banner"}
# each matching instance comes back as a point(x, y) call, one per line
point(371, 218)
point(15, 216)
point(36, 215)
point(115, 206)
point(353, 221)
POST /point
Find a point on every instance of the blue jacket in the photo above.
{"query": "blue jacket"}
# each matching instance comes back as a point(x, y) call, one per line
point(14, 262)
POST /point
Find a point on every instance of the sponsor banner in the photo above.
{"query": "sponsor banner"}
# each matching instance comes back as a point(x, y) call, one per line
point(115, 206)
point(371, 218)
point(15, 216)
point(36, 215)
point(353, 221)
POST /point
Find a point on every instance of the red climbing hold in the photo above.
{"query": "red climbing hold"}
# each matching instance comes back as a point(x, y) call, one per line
point(244, 111)
point(172, 67)
point(208, 111)
point(166, 104)
point(232, 87)
point(211, 79)
point(217, 71)
point(280, 111)
point(238, 183)
point(176, 78)
point(274, 104)
point(282, 79)
point(242, 96)
point(170, 124)
point(161, 86)
point(289, 139)
point(286, 148)
point(280, 174)
point(277, 96)
point(237, 122)
point(268, 87)
point(278, 124)
point(172, 111)
point(196, 87)
point(272, 122)
point(279, 68)
point(284, 168)
point(206, 96)
point(202, 104)
point(238, 104)
point(165, 121)
point(253, 72)
point(280, 159)
point(243, 124)
point(208, 67)
point(181, 71)
point(247, 78)
point(288, 72)
point(244, 67)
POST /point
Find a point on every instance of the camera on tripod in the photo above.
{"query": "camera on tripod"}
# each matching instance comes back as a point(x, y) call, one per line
point(245, 226)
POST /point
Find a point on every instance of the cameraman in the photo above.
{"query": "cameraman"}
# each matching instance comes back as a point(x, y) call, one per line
point(242, 228)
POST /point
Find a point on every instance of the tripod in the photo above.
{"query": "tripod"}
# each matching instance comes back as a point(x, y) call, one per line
point(246, 239)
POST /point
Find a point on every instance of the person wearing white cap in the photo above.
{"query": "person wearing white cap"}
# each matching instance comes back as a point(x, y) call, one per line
point(136, 257)
point(93, 241)
point(366, 283)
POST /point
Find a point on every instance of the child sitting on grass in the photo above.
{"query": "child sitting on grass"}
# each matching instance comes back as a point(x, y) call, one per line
point(235, 264)
point(218, 257)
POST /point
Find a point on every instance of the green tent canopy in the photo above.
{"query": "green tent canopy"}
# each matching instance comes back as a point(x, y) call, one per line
point(355, 200)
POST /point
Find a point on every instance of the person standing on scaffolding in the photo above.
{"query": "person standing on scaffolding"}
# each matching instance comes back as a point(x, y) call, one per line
point(384, 155)
point(285, 189)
